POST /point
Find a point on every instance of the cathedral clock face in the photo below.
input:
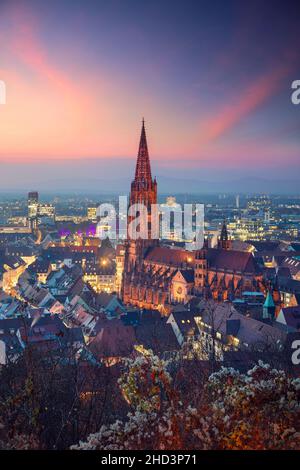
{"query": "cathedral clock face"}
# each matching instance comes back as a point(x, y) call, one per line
point(179, 290)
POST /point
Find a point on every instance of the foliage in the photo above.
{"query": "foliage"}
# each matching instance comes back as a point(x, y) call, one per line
point(257, 410)
point(154, 404)
point(49, 402)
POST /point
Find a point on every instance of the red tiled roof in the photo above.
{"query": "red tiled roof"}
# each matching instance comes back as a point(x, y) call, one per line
point(170, 256)
point(114, 339)
point(231, 260)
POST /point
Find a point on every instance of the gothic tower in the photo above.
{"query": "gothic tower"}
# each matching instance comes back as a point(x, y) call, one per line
point(143, 187)
point(224, 243)
point(143, 191)
point(201, 267)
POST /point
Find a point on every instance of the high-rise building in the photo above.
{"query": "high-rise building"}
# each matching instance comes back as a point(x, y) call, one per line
point(32, 203)
point(39, 212)
point(46, 213)
point(267, 216)
point(92, 213)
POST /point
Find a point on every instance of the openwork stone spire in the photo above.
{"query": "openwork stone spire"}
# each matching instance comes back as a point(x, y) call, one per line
point(224, 233)
point(143, 188)
point(143, 168)
point(224, 241)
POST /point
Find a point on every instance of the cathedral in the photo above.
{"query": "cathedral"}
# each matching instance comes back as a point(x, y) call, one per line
point(156, 276)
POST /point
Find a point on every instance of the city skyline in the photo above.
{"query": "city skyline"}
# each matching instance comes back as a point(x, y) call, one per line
point(217, 108)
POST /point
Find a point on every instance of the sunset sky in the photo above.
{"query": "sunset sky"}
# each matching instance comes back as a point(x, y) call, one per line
point(212, 79)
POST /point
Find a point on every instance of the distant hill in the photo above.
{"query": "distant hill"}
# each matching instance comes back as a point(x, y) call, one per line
point(115, 175)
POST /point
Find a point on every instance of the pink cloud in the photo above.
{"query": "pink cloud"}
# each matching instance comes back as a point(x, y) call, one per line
point(24, 45)
point(249, 100)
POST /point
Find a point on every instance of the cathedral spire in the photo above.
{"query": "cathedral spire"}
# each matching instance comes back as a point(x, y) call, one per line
point(224, 242)
point(143, 168)
point(224, 233)
point(143, 188)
